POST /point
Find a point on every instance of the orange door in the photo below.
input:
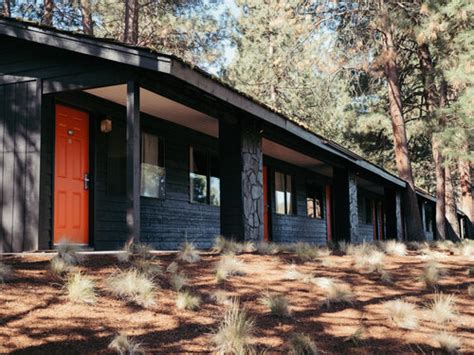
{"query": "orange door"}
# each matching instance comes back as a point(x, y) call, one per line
point(71, 169)
point(266, 227)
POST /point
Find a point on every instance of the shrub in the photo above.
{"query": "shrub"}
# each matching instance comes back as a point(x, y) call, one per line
point(80, 289)
point(470, 290)
point(402, 313)
point(178, 281)
point(123, 345)
point(265, 248)
point(188, 253)
point(234, 331)
point(430, 275)
point(277, 304)
point(6, 272)
point(334, 291)
point(188, 301)
point(58, 266)
point(443, 308)
point(68, 252)
point(301, 344)
point(134, 287)
point(395, 248)
point(227, 266)
point(448, 342)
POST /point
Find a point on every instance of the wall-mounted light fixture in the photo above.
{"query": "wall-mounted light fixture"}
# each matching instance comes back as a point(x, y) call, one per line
point(106, 125)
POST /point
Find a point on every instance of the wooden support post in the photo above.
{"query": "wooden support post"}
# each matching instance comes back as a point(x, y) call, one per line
point(133, 161)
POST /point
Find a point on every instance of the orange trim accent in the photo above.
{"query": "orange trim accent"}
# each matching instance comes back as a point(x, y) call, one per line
point(266, 226)
point(71, 163)
point(329, 212)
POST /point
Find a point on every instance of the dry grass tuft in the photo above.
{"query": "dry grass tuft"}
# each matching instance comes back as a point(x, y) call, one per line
point(148, 267)
point(448, 342)
point(68, 252)
point(443, 308)
point(292, 274)
point(334, 290)
point(6, 272)
point(265, 248)
point(444, 245)
point(188, 253)
point(301, 344)
point(186, 300)
point(369, 261)
point(394, 248)
point(58, 266)
point(224, 245)
point(123, 345)
point(221, 297)
point(430, 275)
point(361, 249)
point(133, 286)
point(470, 271)
point(402, 313)
point(178, 281)
point(141, 250)
point(80, 289)
point(277, 304)
point(470, 290)
point(227, 266)
point(358, 336)
point(234, 332)
point(172, 267)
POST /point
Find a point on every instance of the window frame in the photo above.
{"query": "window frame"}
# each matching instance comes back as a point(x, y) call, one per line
point(315, 193)
point(290, 210)
point(209, 158)
point(161, 157)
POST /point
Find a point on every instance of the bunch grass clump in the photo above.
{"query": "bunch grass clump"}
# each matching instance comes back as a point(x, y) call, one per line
point(188, 253)
point(293, 274)
point(228, 266)
point(443, 308)
point(187, 301)
point(224, 245)
point(6, 272)
point(301, 344)
point(234, 332)
point(172, 268)
point(141, 250)
point(277, 304)
point(80, 289)
point(266, 248)
point(133, 286)
point(148, 267)
point(68, 252)
point(58, 266)
point(178, 281)
point(370, 261)
point(402, 314)
point(358, 336)
point(448, 342)
point(123, 345)
point(360, 249)
point(470, 290)
point(470, 271)
point(334, 290)
point(431, 274)
point(394, 248)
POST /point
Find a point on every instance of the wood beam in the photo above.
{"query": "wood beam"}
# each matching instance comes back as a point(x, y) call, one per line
point(133, 161)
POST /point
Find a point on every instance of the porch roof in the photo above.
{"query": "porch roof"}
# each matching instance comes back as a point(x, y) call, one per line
point(149, 59)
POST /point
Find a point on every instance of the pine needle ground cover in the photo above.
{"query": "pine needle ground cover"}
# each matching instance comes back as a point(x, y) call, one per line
point(36, 316)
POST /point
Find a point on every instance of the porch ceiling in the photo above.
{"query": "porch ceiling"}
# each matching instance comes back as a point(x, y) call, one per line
point(291, 156)
point(370, 186)
point(159, 106)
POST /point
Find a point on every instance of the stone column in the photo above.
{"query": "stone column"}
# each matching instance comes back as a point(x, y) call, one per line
point(346, 216)
point(241, 160)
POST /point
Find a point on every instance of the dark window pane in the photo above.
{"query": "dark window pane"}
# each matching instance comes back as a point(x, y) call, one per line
point(315, 193)
point(198, 175)
point(198, 162)
point(310, 207)
point(153, 174)
point(318, 213)
point(279, 193)
point(289, 195)
point(369, 211)
point(215, 172)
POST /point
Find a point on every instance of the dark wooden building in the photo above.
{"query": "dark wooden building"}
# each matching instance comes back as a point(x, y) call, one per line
point(100, 142)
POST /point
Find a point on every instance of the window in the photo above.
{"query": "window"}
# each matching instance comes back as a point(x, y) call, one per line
point(314, 206)
point(283, 193)
point(152, 166)
point(365, 209)
point(204, 181)
point(428, 218)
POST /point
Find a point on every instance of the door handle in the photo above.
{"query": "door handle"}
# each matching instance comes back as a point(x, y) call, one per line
point(86, 181)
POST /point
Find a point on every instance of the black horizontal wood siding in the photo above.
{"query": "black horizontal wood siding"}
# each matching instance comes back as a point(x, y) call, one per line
point(297, 227)
point(20, 147)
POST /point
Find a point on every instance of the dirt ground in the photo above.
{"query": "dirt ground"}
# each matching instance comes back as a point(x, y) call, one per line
point(35, 316)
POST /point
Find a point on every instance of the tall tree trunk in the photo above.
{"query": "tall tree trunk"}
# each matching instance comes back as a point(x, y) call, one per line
point(130, 34)
point(467, 207)
point(451, 213)
point(87, 24)
point(6, 11)
point(48, 13)
point(432, 102)
point(412, 213)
